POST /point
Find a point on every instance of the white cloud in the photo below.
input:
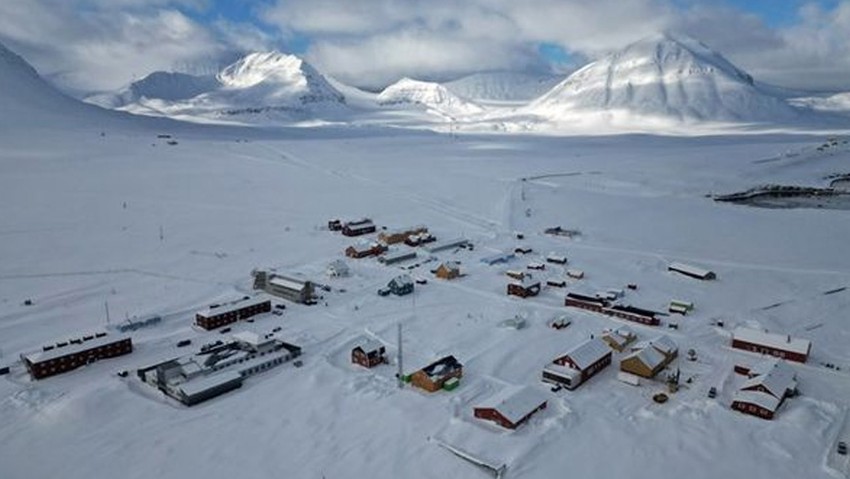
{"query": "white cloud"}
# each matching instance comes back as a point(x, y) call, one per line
point(88, 45)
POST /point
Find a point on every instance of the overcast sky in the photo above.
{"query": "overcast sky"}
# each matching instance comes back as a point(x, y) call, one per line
point(87, 45)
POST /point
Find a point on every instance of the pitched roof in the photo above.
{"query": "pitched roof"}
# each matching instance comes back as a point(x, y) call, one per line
point(369, 345)
point(774, 375)
point(760, 399)
point(664, 344)
point(588, 352)
point(515, 402)
point(690, 269)
point(649, 356)
point(773, 340)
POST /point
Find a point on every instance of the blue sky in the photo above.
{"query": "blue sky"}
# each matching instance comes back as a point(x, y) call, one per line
point(86, 45)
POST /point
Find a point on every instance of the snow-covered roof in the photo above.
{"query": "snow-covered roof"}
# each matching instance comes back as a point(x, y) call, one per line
point(776, 341)
point(649, 356)
point(664, 344)
point(226, 308)
point(686, 268)
point(288, 283)
point(776, 376)
point(498, 258)
point(369, 345)
point(200, 385)
point(563, 371)
point(588, 352)
point(515, 402)
point(441, 245)
point(398, 256)
point(758, 398)
point(72, 348)
point(402, 280)
point(621, 335)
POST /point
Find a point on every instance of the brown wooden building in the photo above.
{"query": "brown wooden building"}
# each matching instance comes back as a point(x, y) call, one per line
point(650, 358)
point(400, 236)
point(217, 317)
point(369, 354)
point(358, 228)
point(432, 377)
point(524, 289)
point(66, 355)
point(364, 251)
point(449, 270)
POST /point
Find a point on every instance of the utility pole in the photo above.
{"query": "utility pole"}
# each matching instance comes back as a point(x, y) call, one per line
point(161, 234)
point(106, 306)
point(399, 360)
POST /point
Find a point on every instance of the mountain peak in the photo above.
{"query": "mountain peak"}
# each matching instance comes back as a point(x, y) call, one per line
point(259, 67)
point(664, 75)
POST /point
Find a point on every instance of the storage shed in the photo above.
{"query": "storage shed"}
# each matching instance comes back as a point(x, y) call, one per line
point(618, 339)
point(692, 271)
point(512, 406)
point(369, 354)
point(448, 270)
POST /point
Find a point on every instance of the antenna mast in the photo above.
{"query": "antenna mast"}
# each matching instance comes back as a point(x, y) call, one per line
point(398, 360)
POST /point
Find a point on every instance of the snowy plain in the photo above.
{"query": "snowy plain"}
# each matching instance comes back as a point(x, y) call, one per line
point(230, 200)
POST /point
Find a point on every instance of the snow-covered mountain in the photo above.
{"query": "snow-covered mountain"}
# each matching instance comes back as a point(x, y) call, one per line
point(663, 76)
point(168, 86)
point(432, 96)
point(503, 86)
point(258, 87)
point(22, 90)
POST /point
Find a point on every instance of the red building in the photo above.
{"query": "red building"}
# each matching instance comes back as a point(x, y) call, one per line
point(770, 383)
point(587, 359)
point(64, 356)
point(369, 354)
point(511, 407)
point(777, 345)
point(217, 317)
point(589, 303)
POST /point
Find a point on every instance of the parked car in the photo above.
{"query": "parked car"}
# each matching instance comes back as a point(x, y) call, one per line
point(225, 331)
point(276, 329)
point(712, 392)
point(277, 313)
point(842, 448)
point(280, 306)
point(384, 292)
point(183, 343)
